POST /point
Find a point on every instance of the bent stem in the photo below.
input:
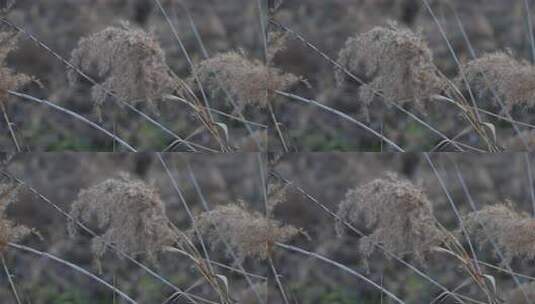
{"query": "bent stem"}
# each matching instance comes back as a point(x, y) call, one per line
point(340, 266)
point(344, 116)
point(73, 267)
point(76, 116)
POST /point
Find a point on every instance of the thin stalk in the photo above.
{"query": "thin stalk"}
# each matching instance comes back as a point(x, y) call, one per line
point(10, 280)
point(209, 273)
point(530, 180)
point(227, 93)
point(277, 127)
point(344, 116)
point(530, 29)
point(10, 127)
point(76, 116)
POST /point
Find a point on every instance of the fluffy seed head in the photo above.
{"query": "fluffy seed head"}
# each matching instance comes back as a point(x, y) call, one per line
point(513, 80)
point(250, 233)
point(398, 213)
point(512, 232)
point(249, 81)
point(126, 61)
point(393, 61)
point(129, 214)
point(9, 232)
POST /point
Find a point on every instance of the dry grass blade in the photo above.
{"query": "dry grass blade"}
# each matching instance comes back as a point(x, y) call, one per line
point(361, 234)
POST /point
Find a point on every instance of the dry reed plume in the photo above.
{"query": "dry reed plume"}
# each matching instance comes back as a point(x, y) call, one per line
point(129, 213)
point(398, 213)
point(512, 80)
point(125, 61)
point(394, 62)
point(251, 234)
point(512, 232)
point(249, 81)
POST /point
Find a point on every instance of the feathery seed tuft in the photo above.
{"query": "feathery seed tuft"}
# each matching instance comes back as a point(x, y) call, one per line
point(126, 61)
point(249, 81)
point(394, 62)
point(513, 80)
point(129, 213)
point(398, 213)
point(513, 232)
point(251, 234)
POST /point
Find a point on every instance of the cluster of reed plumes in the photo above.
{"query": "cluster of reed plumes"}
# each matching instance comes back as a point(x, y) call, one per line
point(389, 215)
point(401, 223)
point(398, 66)
point(394, 64)
point(127, 65)
point(391, 64)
